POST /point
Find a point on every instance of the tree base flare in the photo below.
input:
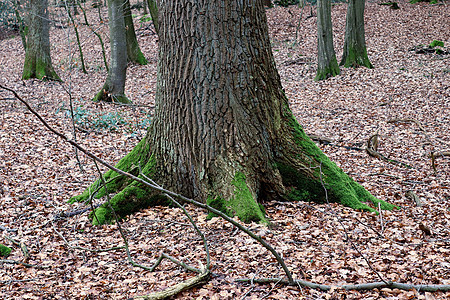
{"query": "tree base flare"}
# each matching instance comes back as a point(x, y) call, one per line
point(306, 174)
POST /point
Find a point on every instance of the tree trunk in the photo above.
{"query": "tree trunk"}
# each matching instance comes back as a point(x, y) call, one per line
point(114, 87)
point(153, 7)
point(38, 62)
point(222, 131)
point(327, 62)
point(134, 53)
point(355, 52)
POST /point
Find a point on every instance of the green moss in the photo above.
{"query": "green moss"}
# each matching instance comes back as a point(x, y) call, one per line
point(130, 200)
point(139, 58)
point(4, 251)
point(302, 187)
point(330, 71)
point(436, 43)
point(340, 187)
point(40, 69)
point(116, 182)
point(242, 204)
point(356, 58)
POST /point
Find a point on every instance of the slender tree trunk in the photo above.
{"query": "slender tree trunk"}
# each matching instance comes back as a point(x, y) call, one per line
point(327, 62)
point(222, 131)
point(38, 62)
point(134, 53)
point(355, 52)
point(114, 87)
point(153, 7)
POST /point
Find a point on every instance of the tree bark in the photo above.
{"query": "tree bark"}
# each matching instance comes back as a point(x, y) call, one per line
point(327, 62)
point(355, 52)
point(134, 53)
point(222, 131)
point(153, 7)
point(38, 62)
point(114, 88)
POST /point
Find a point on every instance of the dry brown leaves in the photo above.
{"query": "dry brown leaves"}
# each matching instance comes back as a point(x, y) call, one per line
point(38, 173)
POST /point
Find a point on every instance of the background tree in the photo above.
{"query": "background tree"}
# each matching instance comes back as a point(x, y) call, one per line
point(134, 53)
point(327, 62)
point(38, 62)
point(355, 52)
point(222, 131)
point(153, 7)
point(114, 87)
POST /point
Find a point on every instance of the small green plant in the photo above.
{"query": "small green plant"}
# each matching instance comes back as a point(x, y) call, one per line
point(145, 18)
point(110, 121)
point(4, 251)
point(436, 43)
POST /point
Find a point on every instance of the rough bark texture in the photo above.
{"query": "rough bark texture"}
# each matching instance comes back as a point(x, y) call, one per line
point(38, 63)
point(355, 52)
point(327, 62)
point(223, 132)
point(114, 87)
point(134, 53)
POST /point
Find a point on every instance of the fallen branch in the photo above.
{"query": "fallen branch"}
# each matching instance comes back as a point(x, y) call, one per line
point(173, 290)
point(371, 149)
point(22, 246)
point(15, 262)
point(95, 158)
point(357, 287)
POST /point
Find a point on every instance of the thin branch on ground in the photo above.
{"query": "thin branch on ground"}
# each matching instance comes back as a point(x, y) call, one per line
point(357, 287)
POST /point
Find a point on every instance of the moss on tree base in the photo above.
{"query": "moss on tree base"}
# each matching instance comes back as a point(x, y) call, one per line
point(355, 58)
point(129, 196)
point(331, 71)
point(326, 175)
point(242, 204)
point(40, 69)
point(306, 174)
point(103, 95)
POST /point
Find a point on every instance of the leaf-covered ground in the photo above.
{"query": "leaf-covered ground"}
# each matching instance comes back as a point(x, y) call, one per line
point(405, 100)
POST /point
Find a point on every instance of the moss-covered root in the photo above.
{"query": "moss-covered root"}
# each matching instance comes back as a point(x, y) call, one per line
point(242, 204)
point(356, 58)
point(139, 156)
point(4, 251)
point(104, 96)
point(131, 199)
point(326, 181)
point(40, 69)
point(331, 71)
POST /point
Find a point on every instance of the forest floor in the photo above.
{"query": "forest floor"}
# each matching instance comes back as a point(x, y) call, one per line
point(405, 99)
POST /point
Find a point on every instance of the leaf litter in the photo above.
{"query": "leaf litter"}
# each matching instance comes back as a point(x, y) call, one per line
point(39, 173)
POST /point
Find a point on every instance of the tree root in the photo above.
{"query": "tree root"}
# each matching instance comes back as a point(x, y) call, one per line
point(173, 290)
point(356, 287)
point(372, 147)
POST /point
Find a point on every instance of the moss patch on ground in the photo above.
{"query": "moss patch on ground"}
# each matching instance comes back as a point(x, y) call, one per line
point(4, 251)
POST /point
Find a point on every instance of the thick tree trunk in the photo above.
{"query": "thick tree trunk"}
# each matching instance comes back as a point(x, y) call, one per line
point(327, 62)
point(355, 52)
point(134, 53)
point(222, 131)
point(114, 87)
point(38, 62)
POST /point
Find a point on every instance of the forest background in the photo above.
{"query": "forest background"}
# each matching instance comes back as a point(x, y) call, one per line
point(405, 99)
